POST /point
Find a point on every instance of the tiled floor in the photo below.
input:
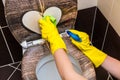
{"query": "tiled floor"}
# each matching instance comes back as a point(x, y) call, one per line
point(10, 56)
point(10, 52)
point(10, 71)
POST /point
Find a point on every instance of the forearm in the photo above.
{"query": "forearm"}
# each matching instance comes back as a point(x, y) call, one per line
point(95, 55)
point(112, 65)
point(65, 67)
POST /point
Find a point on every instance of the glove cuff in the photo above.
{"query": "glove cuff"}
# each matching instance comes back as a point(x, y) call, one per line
point(57, 44)
point(96, 56)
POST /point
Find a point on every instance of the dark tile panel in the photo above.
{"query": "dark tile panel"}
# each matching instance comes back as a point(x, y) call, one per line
point(4, 53)
point(112, 43)
point(16, 76)
point(5, 72)
point(84, 21)
point(99, 29)
point(2, 16)
point(14, 46)
point(101, 74)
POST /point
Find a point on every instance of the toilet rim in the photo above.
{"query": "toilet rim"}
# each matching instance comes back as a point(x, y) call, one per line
point(26, 44)
point(45, 64)
point(85, 64)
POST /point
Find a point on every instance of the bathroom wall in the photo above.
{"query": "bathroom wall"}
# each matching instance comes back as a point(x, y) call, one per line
point(102, 24)
point(111, 10)
point(102, 35)
point(10, 52)
point(83, 4)
point(107, 31)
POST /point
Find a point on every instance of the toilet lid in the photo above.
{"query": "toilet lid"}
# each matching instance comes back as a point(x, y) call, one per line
point(15, 13)
point(47, 70)
point(30, 19)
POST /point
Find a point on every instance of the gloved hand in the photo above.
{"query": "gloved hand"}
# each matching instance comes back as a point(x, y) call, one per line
point(94, 54)
point(50, 33)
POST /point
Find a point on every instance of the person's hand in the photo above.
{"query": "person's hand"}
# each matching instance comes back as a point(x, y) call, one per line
point(50, 33)
point(94, 54)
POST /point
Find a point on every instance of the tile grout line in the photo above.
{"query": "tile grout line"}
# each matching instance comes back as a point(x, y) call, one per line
point(109, 75)
point(15, 67)
point(107, 26)
point(6, 40)
point(7, 46)
point(113, 3)
point(93, 25)
point(105, 35)
point(13, 72)
point(0, 27)
point(4, 27)
point(9, 64)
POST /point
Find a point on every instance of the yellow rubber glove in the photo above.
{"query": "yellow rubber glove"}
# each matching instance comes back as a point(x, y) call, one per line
point(94, 54)
point(50, 33)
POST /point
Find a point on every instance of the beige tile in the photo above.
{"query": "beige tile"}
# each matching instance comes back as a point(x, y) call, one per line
point(83, 4)
point(105, 7)
point(3, 2)
point(115, 16)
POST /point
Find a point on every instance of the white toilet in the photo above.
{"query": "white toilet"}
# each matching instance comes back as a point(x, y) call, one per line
point(37, 62)
point(46, 68)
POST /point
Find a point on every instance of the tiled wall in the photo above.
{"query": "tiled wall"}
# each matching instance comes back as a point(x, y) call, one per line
point(10, 52)
point(90, 20)
point(83, 4)
point(111, 10)
point(102, 35)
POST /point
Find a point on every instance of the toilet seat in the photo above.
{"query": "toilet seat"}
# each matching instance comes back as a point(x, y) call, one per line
point(34, 55)
point(46, 68)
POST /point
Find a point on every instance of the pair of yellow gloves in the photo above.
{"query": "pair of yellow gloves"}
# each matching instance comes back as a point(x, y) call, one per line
point(50, 33)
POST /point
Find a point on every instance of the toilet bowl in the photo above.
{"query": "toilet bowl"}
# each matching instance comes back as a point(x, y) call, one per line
point(46, 68)
point(37, 62)
point(36, 58)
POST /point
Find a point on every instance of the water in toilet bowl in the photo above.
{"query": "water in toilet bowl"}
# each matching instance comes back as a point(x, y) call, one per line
point(47, 70)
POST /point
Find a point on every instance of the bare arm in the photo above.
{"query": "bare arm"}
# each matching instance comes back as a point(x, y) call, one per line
point(65, 67)
point(95, 55)
point(112, 65)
